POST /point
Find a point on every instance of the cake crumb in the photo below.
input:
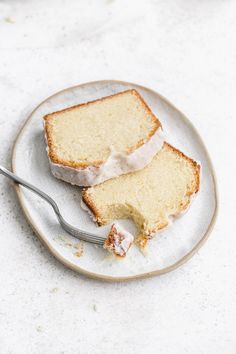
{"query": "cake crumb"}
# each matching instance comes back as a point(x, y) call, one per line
point(39, 329)
point(9, 19)
point(80, 249)
point(141, 241)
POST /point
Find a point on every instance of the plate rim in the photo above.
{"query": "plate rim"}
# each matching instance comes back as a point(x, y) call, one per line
point(79, 269)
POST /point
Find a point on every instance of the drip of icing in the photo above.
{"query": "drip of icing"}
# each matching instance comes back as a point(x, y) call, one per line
point(118, 163)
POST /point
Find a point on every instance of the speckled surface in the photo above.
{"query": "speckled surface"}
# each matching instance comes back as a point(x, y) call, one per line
point(185, 50)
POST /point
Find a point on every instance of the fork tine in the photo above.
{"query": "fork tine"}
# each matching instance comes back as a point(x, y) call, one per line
point(82, 235)
point(85, 236)
point(92, 239)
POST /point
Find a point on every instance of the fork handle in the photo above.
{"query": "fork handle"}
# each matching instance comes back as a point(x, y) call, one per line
point(29, 186)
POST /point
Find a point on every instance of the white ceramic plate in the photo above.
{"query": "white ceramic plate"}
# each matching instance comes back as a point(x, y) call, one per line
point(168, 250)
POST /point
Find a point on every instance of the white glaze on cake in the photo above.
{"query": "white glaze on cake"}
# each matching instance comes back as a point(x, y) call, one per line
point(118, 163)
point(89, 211)
point(119, 240)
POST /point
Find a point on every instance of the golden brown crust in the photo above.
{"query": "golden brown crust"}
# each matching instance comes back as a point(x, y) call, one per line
point(88, 201)
point(155, 120)
point(100, 221)
point(194, 164)
point(81, 165)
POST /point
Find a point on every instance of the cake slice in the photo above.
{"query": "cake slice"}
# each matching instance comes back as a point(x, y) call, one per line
point(150, 197)
point(92, 142)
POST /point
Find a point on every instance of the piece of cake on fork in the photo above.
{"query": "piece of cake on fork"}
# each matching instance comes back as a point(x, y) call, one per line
point(118, 240)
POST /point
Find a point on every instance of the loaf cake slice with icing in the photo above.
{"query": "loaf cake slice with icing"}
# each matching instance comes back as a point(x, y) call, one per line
point(151, 196)
point(92, 142)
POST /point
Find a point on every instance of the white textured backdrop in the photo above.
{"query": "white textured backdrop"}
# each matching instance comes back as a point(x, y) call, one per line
point(186, 50)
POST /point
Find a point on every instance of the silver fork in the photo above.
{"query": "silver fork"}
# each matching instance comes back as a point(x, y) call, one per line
point(80, 234)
